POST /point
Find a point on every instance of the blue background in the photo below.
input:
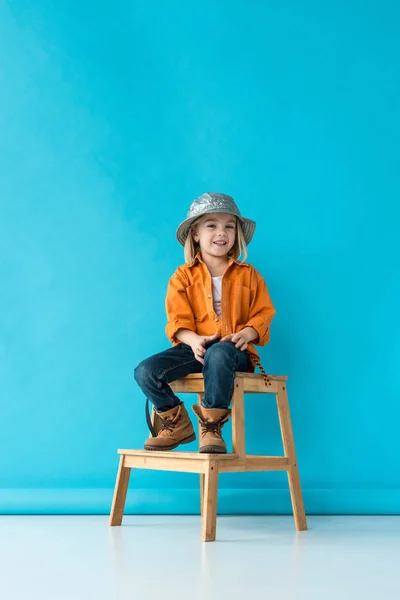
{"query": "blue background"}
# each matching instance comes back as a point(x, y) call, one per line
point(113, 117)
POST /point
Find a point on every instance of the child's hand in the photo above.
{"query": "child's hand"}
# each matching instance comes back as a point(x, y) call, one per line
point(198, 344)
point(242, 338)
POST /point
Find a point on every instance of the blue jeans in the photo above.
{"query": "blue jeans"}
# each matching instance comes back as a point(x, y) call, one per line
point(221, 361)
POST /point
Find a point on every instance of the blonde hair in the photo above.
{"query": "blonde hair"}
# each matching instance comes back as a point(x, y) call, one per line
point(238, 249)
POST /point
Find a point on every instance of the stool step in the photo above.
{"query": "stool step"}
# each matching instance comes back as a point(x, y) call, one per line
point(198, 463)
point(183, 455)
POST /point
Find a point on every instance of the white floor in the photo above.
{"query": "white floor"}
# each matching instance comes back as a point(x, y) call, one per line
point(162, 557)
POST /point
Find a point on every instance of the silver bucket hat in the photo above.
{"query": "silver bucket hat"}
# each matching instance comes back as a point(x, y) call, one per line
point(212, 202)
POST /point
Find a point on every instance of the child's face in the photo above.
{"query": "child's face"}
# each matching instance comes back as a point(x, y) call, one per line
point(215, 233)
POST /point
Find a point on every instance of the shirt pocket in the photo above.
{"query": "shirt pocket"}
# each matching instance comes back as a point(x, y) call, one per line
point(241, 306)
point(195, 294)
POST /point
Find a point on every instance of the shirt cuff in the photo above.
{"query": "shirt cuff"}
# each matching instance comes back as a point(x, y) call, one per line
point(263, 333)
point(173, 327)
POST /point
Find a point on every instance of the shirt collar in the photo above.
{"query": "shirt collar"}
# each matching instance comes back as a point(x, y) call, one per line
point(198, 258)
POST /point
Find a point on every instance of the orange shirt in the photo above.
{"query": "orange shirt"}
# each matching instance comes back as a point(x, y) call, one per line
point(245, 302)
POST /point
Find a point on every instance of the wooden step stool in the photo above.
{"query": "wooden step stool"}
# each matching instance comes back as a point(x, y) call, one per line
point(209, 465)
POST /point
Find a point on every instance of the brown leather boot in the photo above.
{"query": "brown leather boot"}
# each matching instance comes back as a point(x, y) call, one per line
point(211, 421)
point(176, 428)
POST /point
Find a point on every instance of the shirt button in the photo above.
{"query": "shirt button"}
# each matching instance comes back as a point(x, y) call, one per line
point(216, 320)
point(208, 296)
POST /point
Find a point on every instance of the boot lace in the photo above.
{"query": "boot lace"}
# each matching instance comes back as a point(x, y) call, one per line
point(168, 425)
point(211, 427)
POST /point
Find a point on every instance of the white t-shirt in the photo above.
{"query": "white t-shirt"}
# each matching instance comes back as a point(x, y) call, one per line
point(216, 290)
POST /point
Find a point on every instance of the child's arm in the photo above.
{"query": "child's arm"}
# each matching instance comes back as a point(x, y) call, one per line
point(180, 320)
point(178, 309)
point(262, 311)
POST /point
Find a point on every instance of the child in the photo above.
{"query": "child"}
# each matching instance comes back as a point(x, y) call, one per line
point(217, 308)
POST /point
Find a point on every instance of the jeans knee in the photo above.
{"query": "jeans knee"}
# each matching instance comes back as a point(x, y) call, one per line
point(219, 353)
point(142, 373)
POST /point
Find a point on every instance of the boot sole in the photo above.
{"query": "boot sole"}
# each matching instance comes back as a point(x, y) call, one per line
point(212, 450)
point(187, 440)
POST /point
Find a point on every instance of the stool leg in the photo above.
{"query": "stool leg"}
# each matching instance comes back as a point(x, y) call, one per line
point(238, 434)
point(121, 488)
point(202, 481)
point(210, 502)
point(290, 452)
point(202, 476)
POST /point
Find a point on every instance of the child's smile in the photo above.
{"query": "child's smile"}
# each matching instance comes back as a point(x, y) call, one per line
point(216, 233)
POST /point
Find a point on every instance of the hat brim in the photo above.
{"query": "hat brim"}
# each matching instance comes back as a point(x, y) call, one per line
point(248, 227)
